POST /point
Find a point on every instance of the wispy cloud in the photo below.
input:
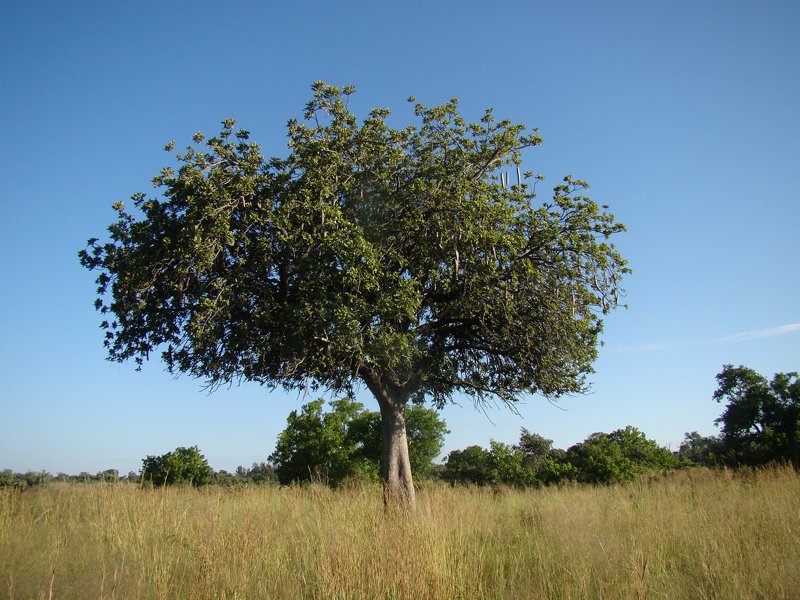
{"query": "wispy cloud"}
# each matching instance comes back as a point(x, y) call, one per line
point(728, 339)
point(759, 333)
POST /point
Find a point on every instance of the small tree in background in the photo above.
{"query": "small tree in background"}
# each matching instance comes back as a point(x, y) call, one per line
point(696, 449)
point(424, 428)
point(9, 479)
point(470, 465)
point(535, 447)
point(23, 480)
point(315, 445)
point(616, 457)
point(259, 473)
point(183, 465)
point(345, 442)
point(509, 465)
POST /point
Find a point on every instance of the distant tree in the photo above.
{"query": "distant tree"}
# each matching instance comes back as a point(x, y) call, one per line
point(33, 478)
point(470, 465)
point(761, 420)
point(509, 465)
point(262, 473)
point(109, 475)
point(23, 480)
point(699, 450)
point(401, 259)
point(613, 457)
point(548, 464)
point(8, 479)
point(532, 461)
point(619, 456)
point(345, 443)
point(182, 465)
point(258, 474)
point(556, 469)
point(225, 479)
point(425, 430)
point(315, 445)
point(535, 447)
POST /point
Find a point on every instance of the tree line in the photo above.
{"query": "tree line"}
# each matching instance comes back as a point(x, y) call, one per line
point(760, 424)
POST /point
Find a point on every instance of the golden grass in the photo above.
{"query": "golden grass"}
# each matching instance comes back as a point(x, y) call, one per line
point(694, 534)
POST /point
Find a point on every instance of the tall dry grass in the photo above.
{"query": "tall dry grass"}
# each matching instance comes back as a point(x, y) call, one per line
point(694, 534)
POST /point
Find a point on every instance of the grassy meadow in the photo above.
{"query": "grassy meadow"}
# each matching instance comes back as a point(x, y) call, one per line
point(692, 534)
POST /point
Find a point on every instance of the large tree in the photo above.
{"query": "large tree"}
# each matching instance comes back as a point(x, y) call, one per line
point(405, 260)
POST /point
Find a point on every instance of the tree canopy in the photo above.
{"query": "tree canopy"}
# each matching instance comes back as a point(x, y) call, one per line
point(619, 456)
point(182, 465)
point(405, 259)
point(761, 420)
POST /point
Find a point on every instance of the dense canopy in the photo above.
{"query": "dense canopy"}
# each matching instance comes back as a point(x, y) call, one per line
point(417, 261)
point(402, 256)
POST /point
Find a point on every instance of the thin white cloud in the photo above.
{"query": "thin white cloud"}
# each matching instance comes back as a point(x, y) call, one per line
point(759, 334)
point(728, 339)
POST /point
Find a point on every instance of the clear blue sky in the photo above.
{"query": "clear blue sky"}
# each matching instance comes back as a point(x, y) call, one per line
point(682, 115)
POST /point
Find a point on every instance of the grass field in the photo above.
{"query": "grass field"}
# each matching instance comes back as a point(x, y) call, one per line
point(692, 534)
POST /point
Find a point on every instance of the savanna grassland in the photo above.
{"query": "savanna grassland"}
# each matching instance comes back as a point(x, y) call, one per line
point(692, 534)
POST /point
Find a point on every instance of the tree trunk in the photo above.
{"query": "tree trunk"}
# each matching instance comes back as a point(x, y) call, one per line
point(398, 484)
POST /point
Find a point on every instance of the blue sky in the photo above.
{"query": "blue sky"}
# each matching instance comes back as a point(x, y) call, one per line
point(683, 116)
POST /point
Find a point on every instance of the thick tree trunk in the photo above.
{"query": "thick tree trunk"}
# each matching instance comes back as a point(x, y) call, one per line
point(398, 483)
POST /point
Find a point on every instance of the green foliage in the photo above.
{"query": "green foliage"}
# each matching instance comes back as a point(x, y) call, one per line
point(261, 473)
point(108, 476)
point(9, 479)
point(509, 465)
point(346, 442)
point(470, 465)
point(401, 257)
point(555, 471)
point(699, 450)
point(426, 431)
point(183, 465)
point(258, 474)
point(616, 457)
point(424, 428)
point(501, 464)
point(315, 445)
point(535, 447)
point(761, 421)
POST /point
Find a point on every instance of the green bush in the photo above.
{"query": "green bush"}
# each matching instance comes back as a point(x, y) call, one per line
point(616, 457)
point(345, 443)
point(183, 465)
